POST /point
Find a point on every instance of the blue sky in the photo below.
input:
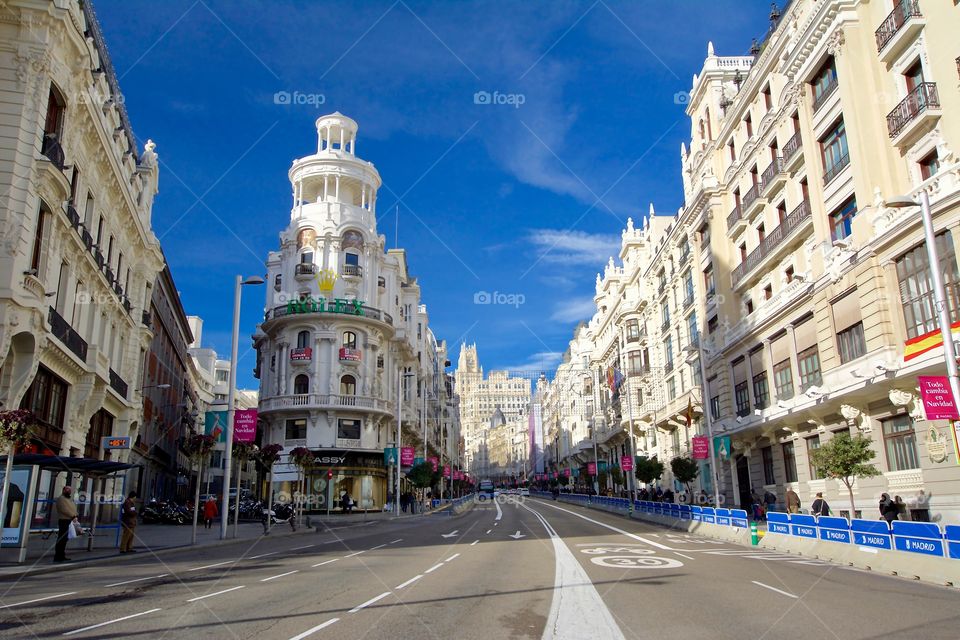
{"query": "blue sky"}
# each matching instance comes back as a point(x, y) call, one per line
point(526, 200)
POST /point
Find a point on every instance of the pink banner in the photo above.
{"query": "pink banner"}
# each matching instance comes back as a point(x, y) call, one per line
point(592, 468)
point(457, 474)
point(407, 454)
point(245, 425)
point(435, 462)
point(938, 402)
point(446, 471)
point(566, 473)
point(701, 448)
point(626, 463)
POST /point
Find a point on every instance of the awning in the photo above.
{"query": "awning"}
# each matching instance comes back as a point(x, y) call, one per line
point(89, 466)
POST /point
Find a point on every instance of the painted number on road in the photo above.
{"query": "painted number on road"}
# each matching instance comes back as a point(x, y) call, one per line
point(636, 562)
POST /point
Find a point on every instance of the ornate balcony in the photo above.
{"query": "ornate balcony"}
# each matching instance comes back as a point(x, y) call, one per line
point(117, 383)
point(772, 242)
point(735, 218)
point(829, 90)
point(323, 401)
point(304, 270)
point(837, 167)
point(354, 270)
point(51, 149)
point(752, 202)
point(773, 176)
point(891, 33)
point(66, 334)
point(792, 151)
point(920, 104)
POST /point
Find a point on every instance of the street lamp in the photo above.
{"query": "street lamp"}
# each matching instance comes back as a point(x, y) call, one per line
point(715, 472)
point(155, 386)
point(939, 293)
point(396, 489)
point(231, 410)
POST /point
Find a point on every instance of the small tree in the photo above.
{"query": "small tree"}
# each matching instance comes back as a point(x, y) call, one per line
point(421, 475)
point(16, 426)
point(685, 471)
point(617, 474)
point(846, 458)
point(198, 447)
point(648, 470)
point(268, 456)
point(301, 458)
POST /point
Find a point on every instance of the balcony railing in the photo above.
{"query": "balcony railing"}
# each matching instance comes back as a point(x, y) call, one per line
point(750, 196)
point(902, 11)
point(73, 216)
point(352, 270)
point(794, 144)
point(923, 97)
point(735, 216)
point(117, 383)
point(323, 400)
point(773, 240)
point(837, 167)
point(687, 302)
point(827, 92)
point(67, 335)
point(147, 319)
point(771, 172)
point(668, 367)
point(50, 147)
point(305, 269)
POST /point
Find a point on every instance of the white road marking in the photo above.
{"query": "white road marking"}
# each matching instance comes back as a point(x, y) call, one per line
point(583, 613)
point(489, 530)
point(371, 601)
point(355, 553)
point(612, 528)
point(320, 564)
point(453, 557)
point(262, 555)
point(280, 576)
point(217, 593)
point(310, 632)
point(103, 624)
point(474, 542)
point(409, 582)
point(496, 524)
point(499, 510)
point(330, 541)
point(208, 566)
point(379, 546)
point(766, 586)
point(397, 540)
point(306, 546)
point(683, 555)
point(59, 595)
point(434, 567)
point(117, 584)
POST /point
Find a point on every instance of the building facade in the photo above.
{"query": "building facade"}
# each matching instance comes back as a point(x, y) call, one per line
point(344, 331)
point(80, 259)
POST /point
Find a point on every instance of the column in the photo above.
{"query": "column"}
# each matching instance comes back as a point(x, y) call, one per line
point(353, 144)
point(363, 196)
point(794, 362)
point(326, 186)
point(328, 138)
point(751, 397)
point(337, 177)
point(341, 139)
point(317, 376)
point(282, 367)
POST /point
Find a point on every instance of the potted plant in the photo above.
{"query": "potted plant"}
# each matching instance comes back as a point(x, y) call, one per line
point(16, 427)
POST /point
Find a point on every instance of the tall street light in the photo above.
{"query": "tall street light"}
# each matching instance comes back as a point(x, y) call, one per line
point(396, 489)
point(715, 472)
point(231, 410)
point(939, 292)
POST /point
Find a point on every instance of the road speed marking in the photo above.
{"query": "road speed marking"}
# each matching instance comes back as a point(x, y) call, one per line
point(636, 562)
point(602, 550)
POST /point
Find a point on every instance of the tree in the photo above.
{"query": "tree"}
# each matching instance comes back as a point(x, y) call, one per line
point(617, 476)
point(198, 447)
point(648, 470)
point(685, 470)
point(421, 475)
point(268, 456)
point(846, 458)
point(301, 458)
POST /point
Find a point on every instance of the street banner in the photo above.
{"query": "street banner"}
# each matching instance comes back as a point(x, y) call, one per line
point(245, 425)
point(16, 519)
point(390, 455)
point(721, 445)
point(626, 463)
point(435, 462)
point(457, 474)
point(446, 471)
point(407, 456)
point(566, 473)
point(592, 468)
point(938, 402)
point(215, 424)
point(701, 448)
point(603, 465)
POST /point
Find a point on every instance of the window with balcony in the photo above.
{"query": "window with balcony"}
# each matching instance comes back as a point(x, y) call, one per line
point(671, 389)
point(742, 397)
point(766, 453)
point(53, 128)
point(851, 343)
point(761, 390)
point(349, 340)
point(296, 429)
point(665, 315)
point(633, 331)
point(789, 462)
point(824, 82)
point(634, 363)
point(841, 220)
point(348, 386)
point(715, 407)
point(693, 331)
point(709, 283)
point(812, 445)
point(668, 353)
point(39, 247)
point(301, 384)
point(903, 10)
point(303, 340)
point(929, 165)
point(688, 289)
point(809, 363)
point(900, 443)
point(834, 151)
point(916, 288)
point(783, 380)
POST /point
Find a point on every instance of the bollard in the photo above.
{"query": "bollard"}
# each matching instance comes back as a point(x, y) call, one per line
point(754, 538)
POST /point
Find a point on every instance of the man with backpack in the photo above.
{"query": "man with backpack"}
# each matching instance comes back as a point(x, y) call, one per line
point(820, 506)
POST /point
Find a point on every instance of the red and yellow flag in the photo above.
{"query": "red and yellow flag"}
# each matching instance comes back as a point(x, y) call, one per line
point(918, 346)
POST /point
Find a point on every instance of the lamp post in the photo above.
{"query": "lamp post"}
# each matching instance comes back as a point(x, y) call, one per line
point(632, 484)
point(231, 410)
point(396, 489)
point(698, 349)
point(939, 291)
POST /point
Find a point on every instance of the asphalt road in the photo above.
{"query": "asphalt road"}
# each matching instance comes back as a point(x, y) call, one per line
point(536, 569)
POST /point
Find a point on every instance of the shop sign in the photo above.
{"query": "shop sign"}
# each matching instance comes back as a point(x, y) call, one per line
point(322, 305)
point(406, 456)
point(626, 463)
point(302, 353)
point(592, 468)
point(349, 355)
point(115, 442)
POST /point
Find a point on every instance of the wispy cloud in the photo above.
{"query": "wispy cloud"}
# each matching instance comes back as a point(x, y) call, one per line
point(572, 247)
point(574, 310)
point(541, 361)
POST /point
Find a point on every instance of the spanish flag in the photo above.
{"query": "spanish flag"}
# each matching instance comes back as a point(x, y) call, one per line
point(918, 346)
point(689, 412)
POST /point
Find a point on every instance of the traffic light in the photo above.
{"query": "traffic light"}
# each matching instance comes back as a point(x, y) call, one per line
point(329, 474)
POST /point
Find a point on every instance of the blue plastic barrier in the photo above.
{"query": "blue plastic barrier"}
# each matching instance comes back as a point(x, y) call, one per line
point(834, 529)
point(871, 533)
point(778, 523)
point(708, 514)
point(696, 513)
point(738, 518)
point(723, 516)
point(803, 526)
point(685, 513)
point(918, 537)
point(952, 534)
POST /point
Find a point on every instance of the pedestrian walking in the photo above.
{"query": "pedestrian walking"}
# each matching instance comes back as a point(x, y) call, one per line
point(210, 512)
point(793, 501)
point(769, 502)
point(128, 523)
point(888, 508)
point(66, 515)
point(820, 506)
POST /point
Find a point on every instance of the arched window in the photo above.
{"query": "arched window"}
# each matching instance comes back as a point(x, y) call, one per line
point(349, 340)
point(348, 386)
point(303, 340)
point(306, 257)
point(301, 384)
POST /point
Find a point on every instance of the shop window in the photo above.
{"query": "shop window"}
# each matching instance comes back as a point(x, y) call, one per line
point(296, 429)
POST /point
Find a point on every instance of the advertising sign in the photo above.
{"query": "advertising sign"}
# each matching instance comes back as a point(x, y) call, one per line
point(418, 461)
point(938, 402)
point(215, 424)
point(701, 448)
point(407, 456)
point(349, 355)
point(626, 463)
point(245, 425)
point(721, 445)
point(115, 442)
point(457, 474)
point(434, 461)
point(301, 353)
point(390, 455)
point(16, 520)
point(592, 468)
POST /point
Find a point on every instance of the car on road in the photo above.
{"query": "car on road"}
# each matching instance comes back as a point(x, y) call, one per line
point(524, 492)
point(485, 490)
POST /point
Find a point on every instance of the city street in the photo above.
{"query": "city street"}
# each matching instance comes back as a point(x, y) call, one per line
point(532, 569)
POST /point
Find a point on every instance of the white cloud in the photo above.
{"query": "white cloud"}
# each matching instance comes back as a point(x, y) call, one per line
point(545, 361)
point(574, 310)
point(571, 247)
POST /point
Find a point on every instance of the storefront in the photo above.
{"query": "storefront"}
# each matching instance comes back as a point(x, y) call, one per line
point(360, 474)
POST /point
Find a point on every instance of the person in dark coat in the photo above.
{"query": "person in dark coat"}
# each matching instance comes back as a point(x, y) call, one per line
point(820, 506)
point(888, 508)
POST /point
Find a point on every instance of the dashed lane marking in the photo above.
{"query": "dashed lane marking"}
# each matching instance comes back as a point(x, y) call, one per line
point(453, 557)
point(410, 581)
point(280, 576)
point(320, 564)
point(434, 567)
point(371, 601)
point(766, 586)
point(117, 584)
point(103, 624)
point(311, 631)
point(59, 595)
point(217, 593)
